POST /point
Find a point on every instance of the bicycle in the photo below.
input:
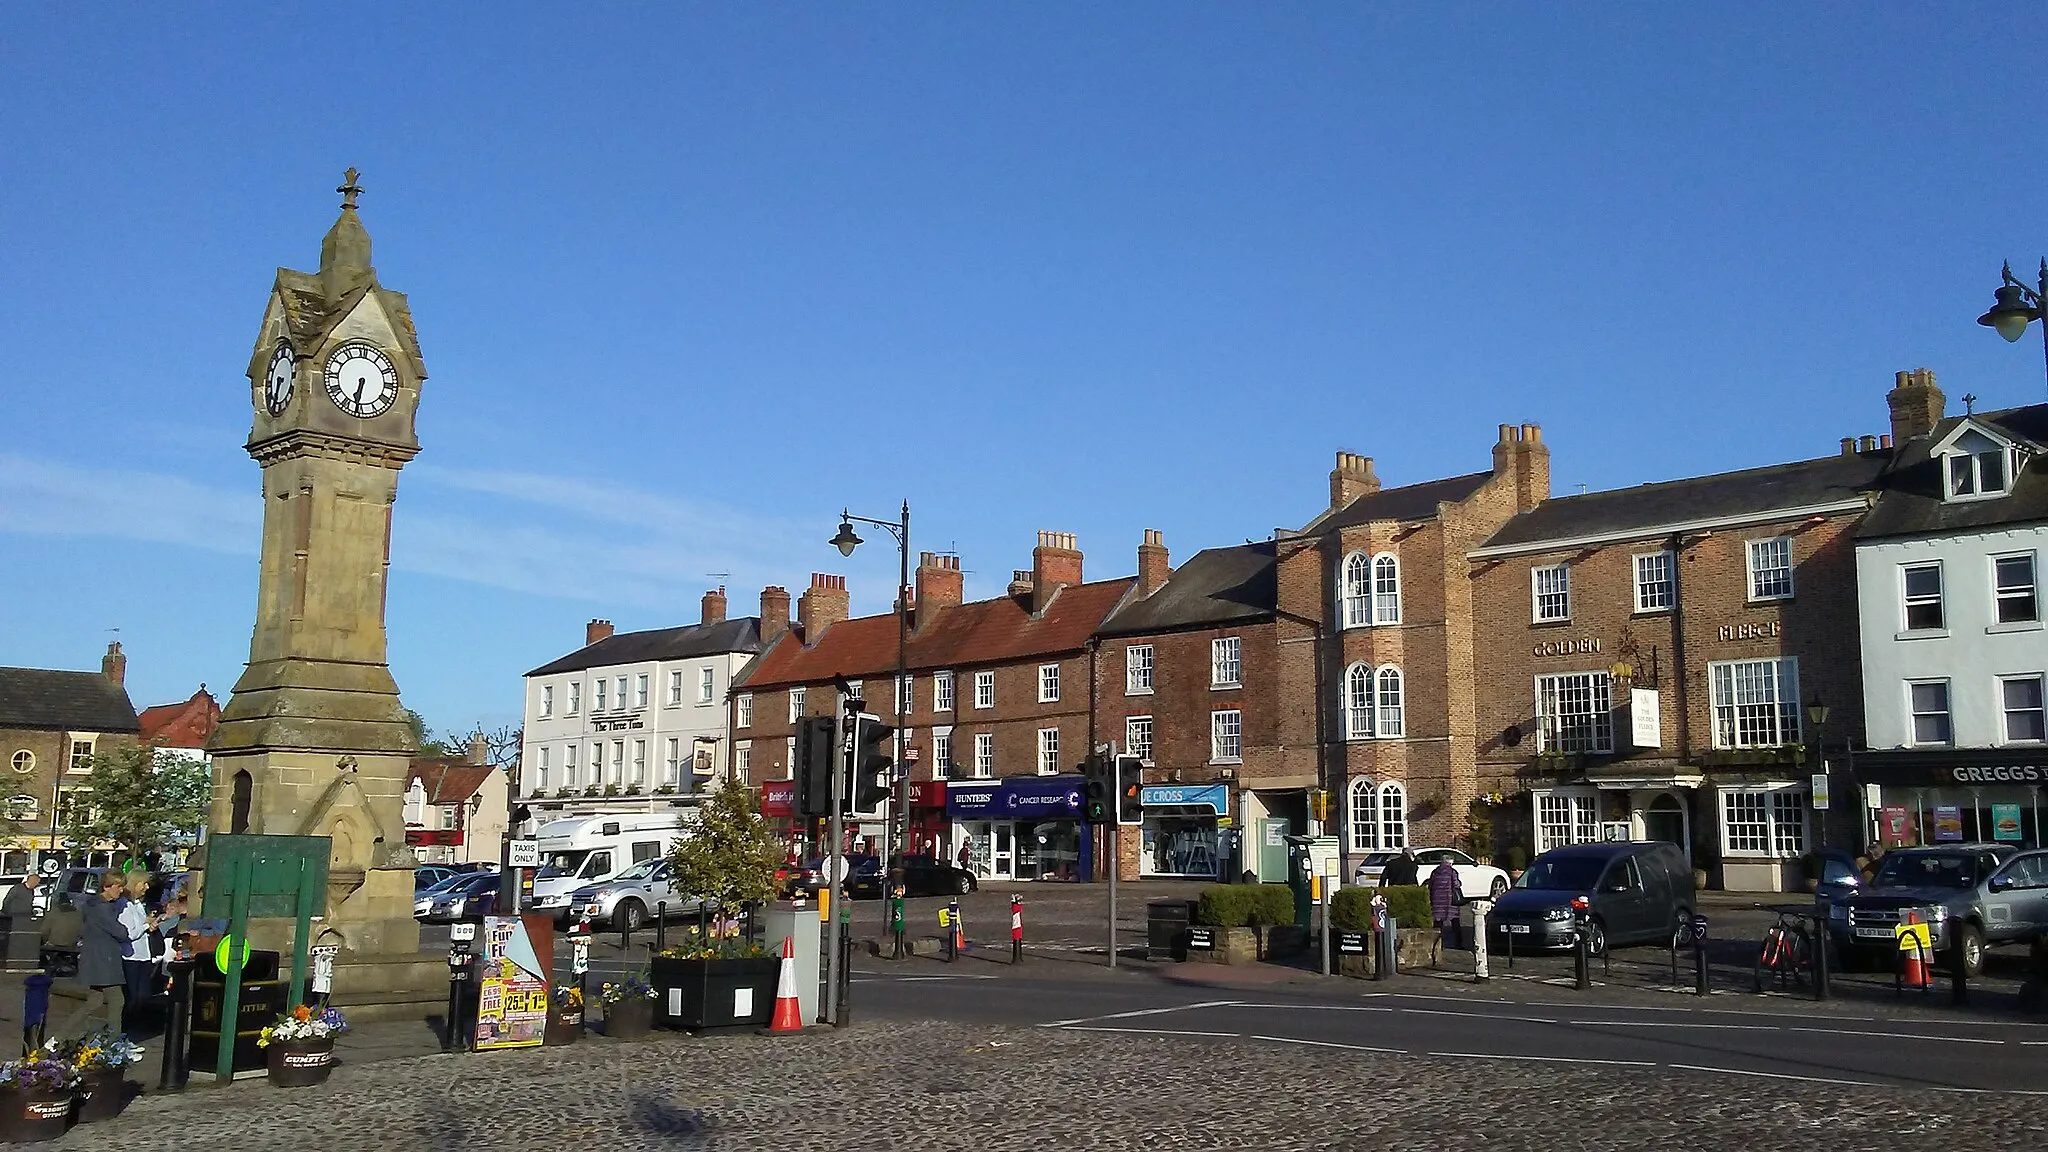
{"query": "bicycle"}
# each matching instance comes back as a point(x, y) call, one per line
point(1786, 953)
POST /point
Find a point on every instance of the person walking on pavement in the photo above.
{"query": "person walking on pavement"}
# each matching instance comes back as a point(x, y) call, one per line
point(101, 940)
point(20, 904)
point(1444, 891)
point(1401, 871)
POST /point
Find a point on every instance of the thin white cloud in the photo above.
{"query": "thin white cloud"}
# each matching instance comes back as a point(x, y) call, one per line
point(528, 532)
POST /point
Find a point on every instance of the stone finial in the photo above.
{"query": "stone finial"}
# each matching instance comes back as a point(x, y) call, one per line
point(350, 189)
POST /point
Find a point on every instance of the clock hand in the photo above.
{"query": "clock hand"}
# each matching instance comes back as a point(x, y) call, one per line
point(361, 382)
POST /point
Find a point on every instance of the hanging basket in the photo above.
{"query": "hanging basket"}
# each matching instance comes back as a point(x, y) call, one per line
point(300, 1063)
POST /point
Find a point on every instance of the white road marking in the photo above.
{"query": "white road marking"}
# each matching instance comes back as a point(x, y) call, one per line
point(1546, 1059)
point(1153, 1031)
point(1778, 1076)
point(1670, 1024)
point(1899, 1035)
point(1477, 1015)
point(1139, 1012)
point(1332, 1044)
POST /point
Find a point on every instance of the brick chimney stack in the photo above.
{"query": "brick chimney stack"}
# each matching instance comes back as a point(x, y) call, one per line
point(113, 665)
point(1152, 566)
point(1020, 585)
point(774, 613)
point(714, 606)
point(939, 586)
point(1917, 405)
point(822, 605)
point(1055, 563)
point(479, 749)
point(1522, 454)
point(596, 630)
point(1351, 478)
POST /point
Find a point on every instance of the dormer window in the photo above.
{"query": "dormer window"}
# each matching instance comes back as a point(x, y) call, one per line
point(1977, 467)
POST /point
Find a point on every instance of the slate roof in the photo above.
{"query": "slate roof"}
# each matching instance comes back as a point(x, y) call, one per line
point(1410, 502)
point(739, 634)
point(1911, 503)
point(54, 701)
point(448, 780)
point(982, 632)
point(1752, 491)
point(1216, 586)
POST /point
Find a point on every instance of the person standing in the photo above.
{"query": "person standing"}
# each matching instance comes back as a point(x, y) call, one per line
point(138, 954)
point(20, 904)
point(101, 941)
point(1444, 893)
point(966, 856)
point(1401, 871)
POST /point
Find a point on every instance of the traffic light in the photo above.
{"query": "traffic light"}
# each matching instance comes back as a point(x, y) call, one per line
point(814, 766)
point(1098, 790)
point(872, 762)
point(1130, 781)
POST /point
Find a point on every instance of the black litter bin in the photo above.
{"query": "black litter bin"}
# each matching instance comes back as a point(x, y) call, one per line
point(1166, 928)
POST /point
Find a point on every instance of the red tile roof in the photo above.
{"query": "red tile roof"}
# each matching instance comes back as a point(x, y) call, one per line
point(448, 780)
point(186, 724)
point(982, 632)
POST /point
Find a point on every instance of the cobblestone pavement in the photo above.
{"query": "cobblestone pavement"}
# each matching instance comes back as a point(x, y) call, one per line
point(948, 1086)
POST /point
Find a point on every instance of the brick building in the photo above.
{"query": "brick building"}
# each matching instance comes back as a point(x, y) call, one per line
point(1189, 678)
point(1645, 657)
point(1376, 618)
point(457, 808)
point(51, 724)
point(992, 717)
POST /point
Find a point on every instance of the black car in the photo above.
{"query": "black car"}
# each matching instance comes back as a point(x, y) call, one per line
point(922, 876)
point(1637, 892)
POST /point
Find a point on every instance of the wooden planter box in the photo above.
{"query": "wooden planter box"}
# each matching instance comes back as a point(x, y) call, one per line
point(629, 1019)
point(300, 1063)
point(700, 994)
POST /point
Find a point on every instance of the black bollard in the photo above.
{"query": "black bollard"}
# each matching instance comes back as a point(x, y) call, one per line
point(1821, 989)
point(1510, 946)
point(625, 939)
point(459, 960)
point(660, 925)
point(1582, 961)
point(1959, 988)
point(177, 1029)
point(1699, 968)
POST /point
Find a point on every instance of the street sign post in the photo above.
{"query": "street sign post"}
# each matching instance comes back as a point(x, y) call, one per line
point(1820, 791)
point(524, 854)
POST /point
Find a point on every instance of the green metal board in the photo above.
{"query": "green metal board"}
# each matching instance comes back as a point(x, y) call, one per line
point(275, 874)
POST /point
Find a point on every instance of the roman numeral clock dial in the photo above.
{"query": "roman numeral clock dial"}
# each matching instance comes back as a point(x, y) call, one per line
point(360, 380)
point(277, 382)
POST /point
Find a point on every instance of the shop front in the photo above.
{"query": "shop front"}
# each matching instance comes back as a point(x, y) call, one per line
point(930, 831)
point(1020, 828)
point(1181, 835)
point(1952, 795)
point(778, 808)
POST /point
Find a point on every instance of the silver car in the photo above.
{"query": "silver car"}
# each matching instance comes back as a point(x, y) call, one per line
point(627, 900)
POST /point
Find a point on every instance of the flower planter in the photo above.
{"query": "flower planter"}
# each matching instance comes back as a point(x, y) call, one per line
point(300, 1063)
point(102, 1094)
point(700, 994)
point(629, 1019)
point(35, 1114)
point(563, 1028)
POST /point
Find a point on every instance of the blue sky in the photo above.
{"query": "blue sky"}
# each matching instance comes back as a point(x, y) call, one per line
point(690, 278)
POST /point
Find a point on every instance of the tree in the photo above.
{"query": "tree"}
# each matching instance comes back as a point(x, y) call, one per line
point(429, 745)
point(141, 798)
point(501, 747)
point(728, 854)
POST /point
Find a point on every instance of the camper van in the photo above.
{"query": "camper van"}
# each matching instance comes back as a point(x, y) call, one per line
point(586, 849)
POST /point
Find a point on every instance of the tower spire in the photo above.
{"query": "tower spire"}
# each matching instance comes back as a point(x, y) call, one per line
point(345, 253)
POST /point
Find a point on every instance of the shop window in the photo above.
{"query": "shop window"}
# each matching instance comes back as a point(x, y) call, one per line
point(1566, 816)
point(1755, 703)
point(1766, 823)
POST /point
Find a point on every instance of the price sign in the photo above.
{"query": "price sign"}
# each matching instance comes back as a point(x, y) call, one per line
point(524, 854)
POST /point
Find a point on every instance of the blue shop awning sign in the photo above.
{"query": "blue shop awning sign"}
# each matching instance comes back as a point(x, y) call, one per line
point(1017, 798)
point(976, 801)
point(1215, 797)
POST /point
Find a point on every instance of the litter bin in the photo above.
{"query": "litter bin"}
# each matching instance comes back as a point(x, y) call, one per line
point(1166, 928)
point(262, 1000)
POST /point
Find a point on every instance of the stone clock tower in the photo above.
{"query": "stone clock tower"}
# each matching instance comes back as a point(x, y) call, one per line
point(315, 741)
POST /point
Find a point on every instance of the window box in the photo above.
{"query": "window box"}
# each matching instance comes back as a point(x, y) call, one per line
point(611, 789)
point(564, 792)
point(665, 790)
point(593, 790)
point(632, 789)
point(1559, 762)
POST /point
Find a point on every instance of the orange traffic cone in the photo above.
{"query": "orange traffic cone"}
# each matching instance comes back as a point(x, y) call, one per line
point(789, 1016)
point(1913, 971)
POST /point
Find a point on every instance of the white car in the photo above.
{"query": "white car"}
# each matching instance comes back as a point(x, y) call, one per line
point(1475, 880)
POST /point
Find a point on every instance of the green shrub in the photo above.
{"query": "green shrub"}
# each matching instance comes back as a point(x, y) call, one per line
point(1243, 905)
point(1518, 858)
point(1408, 905)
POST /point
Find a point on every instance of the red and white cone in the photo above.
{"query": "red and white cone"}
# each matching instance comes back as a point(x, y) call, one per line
point(789, 1015)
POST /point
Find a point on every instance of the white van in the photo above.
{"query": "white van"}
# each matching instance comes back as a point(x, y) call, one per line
point(586, 849)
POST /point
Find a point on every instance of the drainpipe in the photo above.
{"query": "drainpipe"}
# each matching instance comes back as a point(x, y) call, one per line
point(1678, 667)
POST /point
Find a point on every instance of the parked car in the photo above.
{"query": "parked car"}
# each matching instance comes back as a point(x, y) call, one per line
point(1638, 892)
point(625, 901)
point(429, 875)
point(808, 877)
point(468, 897)
point(1839, 877)
point(1970, 896)
point(1475, 880)
point(922, 876)
point(423, 899)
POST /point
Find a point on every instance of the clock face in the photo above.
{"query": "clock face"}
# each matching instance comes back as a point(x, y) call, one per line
point(277, 383)
point(361, 380)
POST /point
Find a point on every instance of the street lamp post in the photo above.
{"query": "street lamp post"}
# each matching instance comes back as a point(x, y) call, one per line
point(846, 541)
point(1817, 715)
point(2017, 306)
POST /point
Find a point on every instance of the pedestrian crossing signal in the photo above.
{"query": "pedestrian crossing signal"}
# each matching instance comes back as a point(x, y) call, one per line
point(1130, 799)
point(1098, 788)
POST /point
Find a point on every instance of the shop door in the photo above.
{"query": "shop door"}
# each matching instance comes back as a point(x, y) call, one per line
point(1273, 851)
point(1664, 820)
point(1002, 857)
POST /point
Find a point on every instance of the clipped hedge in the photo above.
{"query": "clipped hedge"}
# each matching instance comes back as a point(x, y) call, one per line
point(1245, 905)
point(1351, 910)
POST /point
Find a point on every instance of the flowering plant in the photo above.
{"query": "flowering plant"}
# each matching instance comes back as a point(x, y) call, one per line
point(100, 1051)
point(302, 1023)
point(568, 997)
point(633, 987)
point(722, 942)
point(43, 1070)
